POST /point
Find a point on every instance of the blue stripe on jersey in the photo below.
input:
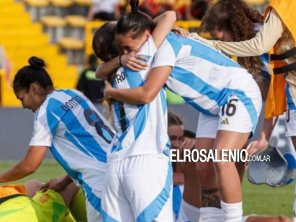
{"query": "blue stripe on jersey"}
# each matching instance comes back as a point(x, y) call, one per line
point(193, 81)
point(201, 50)
point(191, 102)
point(96, 203)
point(36, 114)
point(249, 107)
point(123, 120)
point(140, 121)
point(166, 151)
point(177, 199)
point(76, 143)
point(134, 78)
point(96, 118)
point(106, 217)
point(290, 102)
point(151, 212)
point(91, 197)
point(75, 128)
point(72, 173)
point(119, 147)
point(163, 101)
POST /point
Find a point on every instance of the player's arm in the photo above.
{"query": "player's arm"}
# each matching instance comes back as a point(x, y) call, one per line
point(28, 165)
point(144, 94)
point(262, 142)
point(261, 43)
point(131, 60)
point(164, 24)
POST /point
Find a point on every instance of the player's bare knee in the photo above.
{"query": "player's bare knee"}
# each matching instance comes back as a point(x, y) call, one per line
point(284, 219)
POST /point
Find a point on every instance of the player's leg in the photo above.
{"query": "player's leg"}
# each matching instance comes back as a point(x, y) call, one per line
point(115, 205)
point(238, 118)
point(255, 218)
point(206, 134)
point(147, 184)
point(78, 206)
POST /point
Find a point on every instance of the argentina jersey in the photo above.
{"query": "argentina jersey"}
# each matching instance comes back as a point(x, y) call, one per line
point(202, 75)
point(78, 137)
point(142, 129)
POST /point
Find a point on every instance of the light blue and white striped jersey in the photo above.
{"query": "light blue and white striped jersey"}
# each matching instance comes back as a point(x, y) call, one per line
point(78, 136)
point(142, 129)
point(202, 75)
point(177, 199)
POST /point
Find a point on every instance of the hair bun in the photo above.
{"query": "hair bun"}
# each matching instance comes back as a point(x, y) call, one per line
point(134, 5)
point(36, 62)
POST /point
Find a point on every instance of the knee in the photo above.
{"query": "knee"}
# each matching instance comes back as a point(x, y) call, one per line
point(283, 219)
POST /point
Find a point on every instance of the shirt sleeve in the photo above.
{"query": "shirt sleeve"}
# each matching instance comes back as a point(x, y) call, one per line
point(264, 40)
point(165, 56)
point(41, 135)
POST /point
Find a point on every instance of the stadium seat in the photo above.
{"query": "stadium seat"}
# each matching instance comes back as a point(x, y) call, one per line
point(83, 2)
point(55, 26)
point(74, 48)
point(76, 25)
point(21, 38)
point(61, 7)
point(38, 8)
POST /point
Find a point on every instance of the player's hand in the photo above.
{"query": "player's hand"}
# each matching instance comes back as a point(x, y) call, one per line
point(187, 143)
point(134, 61)
point(180, 31)
point(257, 146)
point(54, 184)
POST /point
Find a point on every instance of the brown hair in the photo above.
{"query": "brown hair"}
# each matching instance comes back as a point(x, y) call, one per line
point(236, 17)
point(174, 119)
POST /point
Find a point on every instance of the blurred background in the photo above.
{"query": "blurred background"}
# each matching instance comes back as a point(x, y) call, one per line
point(60, 32)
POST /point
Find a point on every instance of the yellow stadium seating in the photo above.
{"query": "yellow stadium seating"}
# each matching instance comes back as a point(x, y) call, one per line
point(21, 38)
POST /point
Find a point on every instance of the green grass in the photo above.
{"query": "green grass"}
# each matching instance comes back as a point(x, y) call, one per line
point(49, 169)
point(258, 199)
point(262, 199)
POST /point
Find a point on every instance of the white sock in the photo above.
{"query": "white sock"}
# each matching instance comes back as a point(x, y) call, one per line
point(232, 212)
point(211, 214)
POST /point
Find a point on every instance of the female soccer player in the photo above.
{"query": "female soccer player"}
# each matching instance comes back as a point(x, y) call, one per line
point(139, 175)
point(68, 124)
point(226, 95)
point(277, 34)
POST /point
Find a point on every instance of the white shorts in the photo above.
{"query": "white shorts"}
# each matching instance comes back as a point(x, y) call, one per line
point(138, 188)
point(239, 114)
point(92, 214)
point(291, 123)
point(188, 213)
point(211, 214)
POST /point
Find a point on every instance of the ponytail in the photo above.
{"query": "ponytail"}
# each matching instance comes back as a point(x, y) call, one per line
point(134, 5)
point(34, 72)
point(134, 23)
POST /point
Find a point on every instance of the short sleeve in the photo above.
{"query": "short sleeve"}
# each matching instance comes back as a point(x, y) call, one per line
point(165, 55)
point(43, 131)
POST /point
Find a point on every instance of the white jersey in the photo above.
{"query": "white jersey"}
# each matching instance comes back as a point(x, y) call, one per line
point(203, 76)
point(142, 129)
point(78, 136)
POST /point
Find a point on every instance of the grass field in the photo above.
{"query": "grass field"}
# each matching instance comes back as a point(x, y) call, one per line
point(257, 199)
